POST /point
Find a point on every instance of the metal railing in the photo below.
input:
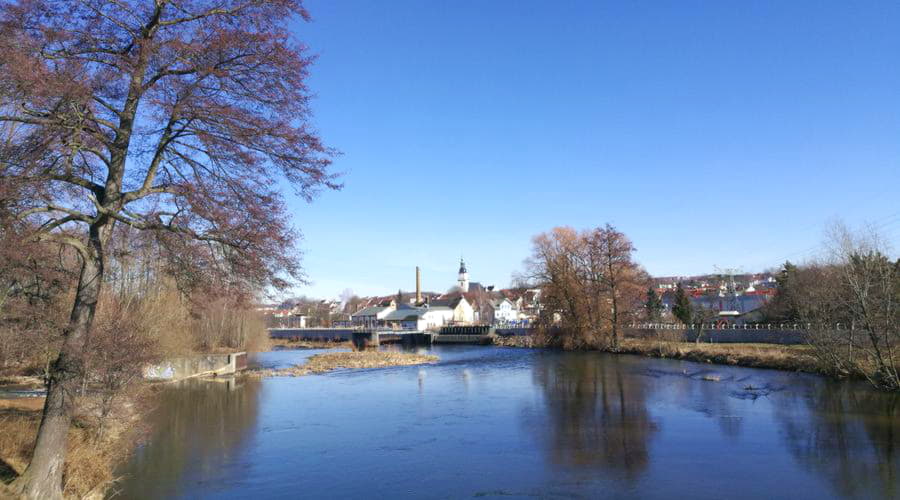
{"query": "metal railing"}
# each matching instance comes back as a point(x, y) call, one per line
point(746, 326)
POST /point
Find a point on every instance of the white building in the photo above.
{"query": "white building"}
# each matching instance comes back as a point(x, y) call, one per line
point(501, 310)
point(419, 318)
point(371, 316)
point(463, 312)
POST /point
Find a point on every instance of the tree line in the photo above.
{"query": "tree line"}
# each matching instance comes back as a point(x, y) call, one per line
point(850, 299)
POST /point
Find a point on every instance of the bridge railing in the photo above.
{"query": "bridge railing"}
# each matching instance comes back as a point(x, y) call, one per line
point(746, 326)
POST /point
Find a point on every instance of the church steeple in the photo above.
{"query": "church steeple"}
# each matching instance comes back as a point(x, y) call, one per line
point(463, 276)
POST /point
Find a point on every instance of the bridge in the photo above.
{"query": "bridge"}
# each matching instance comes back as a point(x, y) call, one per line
point(373, 337)
point(785, 334)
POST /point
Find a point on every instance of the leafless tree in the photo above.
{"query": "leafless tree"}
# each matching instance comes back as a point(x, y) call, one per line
point(851, 301)
point(172, 117)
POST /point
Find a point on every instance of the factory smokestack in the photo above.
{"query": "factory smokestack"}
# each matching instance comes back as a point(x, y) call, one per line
point(418, 286)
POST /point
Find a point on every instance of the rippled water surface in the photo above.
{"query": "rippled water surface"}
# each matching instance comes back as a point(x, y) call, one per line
point(506, 423)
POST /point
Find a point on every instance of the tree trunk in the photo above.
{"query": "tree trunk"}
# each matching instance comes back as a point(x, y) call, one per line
point(43, 477)
point(615, 320)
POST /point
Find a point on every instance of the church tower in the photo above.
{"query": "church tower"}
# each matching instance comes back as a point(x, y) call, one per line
point(463, 276)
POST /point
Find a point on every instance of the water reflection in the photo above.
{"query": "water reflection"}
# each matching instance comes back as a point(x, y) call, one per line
point(199, 424)
point(590, 425)
point(597, 418)
point(847, 434)
point(713, 393)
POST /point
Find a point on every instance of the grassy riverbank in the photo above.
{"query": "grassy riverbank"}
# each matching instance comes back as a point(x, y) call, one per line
point(97, 445)
point(321, 363)
point(780, 357)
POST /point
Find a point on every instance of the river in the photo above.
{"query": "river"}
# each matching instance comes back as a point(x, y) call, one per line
point(510, 423)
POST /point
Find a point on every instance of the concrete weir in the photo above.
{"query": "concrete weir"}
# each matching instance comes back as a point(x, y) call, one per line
point(195, 366)
point(374, 338)
point(448, 335)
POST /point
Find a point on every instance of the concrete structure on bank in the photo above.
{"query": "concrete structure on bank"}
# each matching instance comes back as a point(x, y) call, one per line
point(207, 364)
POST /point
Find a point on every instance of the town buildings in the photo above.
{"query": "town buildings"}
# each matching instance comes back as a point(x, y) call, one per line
point(371, 316)
point(731, 299)
point(500, 310)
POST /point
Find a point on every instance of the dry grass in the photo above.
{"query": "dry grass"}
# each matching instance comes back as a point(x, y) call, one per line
point(321, 363)
point(527, 341)
point(92, 456)
point(22, 404)
point(781, 357)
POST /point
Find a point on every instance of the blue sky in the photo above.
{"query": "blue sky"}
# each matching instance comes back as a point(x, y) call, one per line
point(711, 133)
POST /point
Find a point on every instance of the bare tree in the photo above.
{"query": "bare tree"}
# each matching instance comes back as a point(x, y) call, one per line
point(590, 282)
point(172, 117)
point(620, 279)
point(851, 301)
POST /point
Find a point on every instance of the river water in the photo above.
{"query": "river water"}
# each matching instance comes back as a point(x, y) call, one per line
point(511, 423)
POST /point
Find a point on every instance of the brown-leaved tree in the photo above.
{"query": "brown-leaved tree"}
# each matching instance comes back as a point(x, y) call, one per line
point(591, 286)
point(179, 118)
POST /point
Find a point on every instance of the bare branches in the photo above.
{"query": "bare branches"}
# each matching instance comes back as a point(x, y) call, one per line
point(75, 180)
point(852, 302)
point(222, 103)
point(234, 11)
point(74, 214)
point(65, 239)
point(589, 282)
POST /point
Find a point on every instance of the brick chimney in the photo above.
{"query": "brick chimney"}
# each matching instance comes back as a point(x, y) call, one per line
point(418, 286)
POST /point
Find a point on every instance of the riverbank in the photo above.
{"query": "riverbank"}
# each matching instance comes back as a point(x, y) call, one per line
point(321, 363)
point(779, 357)
point(97, 444)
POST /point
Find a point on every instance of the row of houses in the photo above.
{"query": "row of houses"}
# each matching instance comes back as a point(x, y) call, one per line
point(467, 303)
point(454, 309)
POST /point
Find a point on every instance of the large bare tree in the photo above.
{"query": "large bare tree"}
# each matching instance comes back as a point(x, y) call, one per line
point(176, 117)
point(590, 285)
point(615, 276)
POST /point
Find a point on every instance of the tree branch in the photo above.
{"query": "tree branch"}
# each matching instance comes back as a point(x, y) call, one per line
point(65, 239)
point(74, 214)
point(209, 13)
point(95, 188)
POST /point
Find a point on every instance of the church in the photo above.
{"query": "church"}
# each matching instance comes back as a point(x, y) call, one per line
point(463, 276)
point(462, 282)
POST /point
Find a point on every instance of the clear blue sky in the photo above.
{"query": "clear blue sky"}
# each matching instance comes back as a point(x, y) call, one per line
point(711, 133)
